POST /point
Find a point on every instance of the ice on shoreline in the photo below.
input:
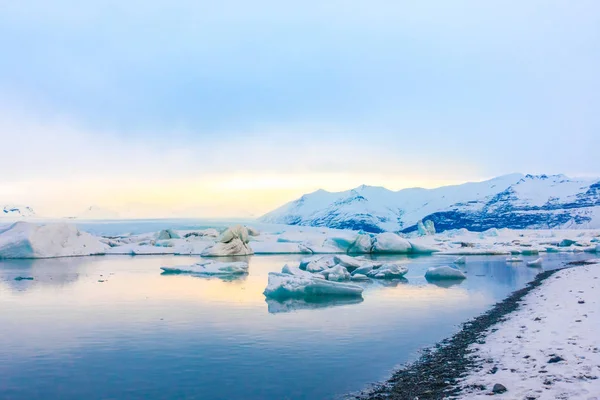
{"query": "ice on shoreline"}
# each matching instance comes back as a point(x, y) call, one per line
point(283, 239)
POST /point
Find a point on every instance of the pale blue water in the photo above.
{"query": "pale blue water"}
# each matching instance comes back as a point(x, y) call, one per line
point(143, 335)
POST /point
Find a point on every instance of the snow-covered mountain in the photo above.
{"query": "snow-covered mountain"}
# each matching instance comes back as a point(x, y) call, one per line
point(15, 212)
point(512, 201)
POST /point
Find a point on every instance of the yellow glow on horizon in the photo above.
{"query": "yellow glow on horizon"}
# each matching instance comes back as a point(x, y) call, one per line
point(217, 195)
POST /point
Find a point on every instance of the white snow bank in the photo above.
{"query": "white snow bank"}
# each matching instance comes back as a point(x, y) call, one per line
point(211, 268)
point(444, 272)
point(28, 240)
point(558, 319)
point(286, 285)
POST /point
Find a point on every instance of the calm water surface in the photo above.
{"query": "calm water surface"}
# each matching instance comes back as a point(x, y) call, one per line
point(143, 335)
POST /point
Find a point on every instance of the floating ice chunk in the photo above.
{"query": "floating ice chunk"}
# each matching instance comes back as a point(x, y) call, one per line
point(166, 234)
point(566, 243)
point(234, 248)
point(285, 285)
point(27, 240)
point(287, 269)
point(388, 242)
point(361, 245)
point(350, 263)
point(536, 263)
point(514, 259)
point(388, 271)
point(336, 273)
point(307, 260)
point(444, 272)
point(235, 232)
point(461, 260)
point(320, 264)
point(365, 268)
point(210, 268)
point(233, 242)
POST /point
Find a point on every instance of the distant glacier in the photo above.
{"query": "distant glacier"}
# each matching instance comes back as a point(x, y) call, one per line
point(513, 201)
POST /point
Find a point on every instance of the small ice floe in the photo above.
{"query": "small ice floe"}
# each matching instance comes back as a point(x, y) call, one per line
point(461, 260)
point(210, 268)
point(444, 272)
point(536, 263)
point(283, 285)
point(514, 260)
point(388, 271)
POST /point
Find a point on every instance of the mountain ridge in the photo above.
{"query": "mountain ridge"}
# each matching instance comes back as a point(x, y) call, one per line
point(515, 201)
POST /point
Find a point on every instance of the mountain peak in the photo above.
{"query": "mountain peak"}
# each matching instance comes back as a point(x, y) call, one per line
point(513, 201)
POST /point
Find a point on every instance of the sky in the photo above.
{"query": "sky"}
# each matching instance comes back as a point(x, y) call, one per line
point(232, 108)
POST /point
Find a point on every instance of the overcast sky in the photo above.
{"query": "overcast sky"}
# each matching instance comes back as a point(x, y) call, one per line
point(155, 108)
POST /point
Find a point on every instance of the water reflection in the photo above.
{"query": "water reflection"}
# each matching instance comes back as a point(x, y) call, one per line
point(284, 306)
point(45, 272)
point(446, 283)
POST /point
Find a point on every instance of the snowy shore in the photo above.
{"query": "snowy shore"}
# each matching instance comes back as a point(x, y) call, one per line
point(549, 348)
point(539, 343)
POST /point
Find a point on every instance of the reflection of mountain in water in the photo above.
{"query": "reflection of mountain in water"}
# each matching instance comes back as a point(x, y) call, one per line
point(289, 305)
point(47, 272)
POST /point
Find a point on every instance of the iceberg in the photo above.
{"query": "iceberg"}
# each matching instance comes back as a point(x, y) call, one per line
point(286, 286)
point(388, 242)
point(320, 264)
point(233, 242)
point(296, 271)
point(350, 263)
point(388, 271)
point(461, 260)
point(430, 227)
point(336, 273)
point(166, 234)
point(210, 268)
point(444, 272)
point(514, 260)
point(536, 263)
point(28, 240)
point(361, 245)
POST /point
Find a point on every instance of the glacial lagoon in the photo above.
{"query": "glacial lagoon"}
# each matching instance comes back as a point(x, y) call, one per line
point(115, 327)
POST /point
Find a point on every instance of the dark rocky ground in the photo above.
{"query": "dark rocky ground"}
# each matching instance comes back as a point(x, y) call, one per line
point(435, 374)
